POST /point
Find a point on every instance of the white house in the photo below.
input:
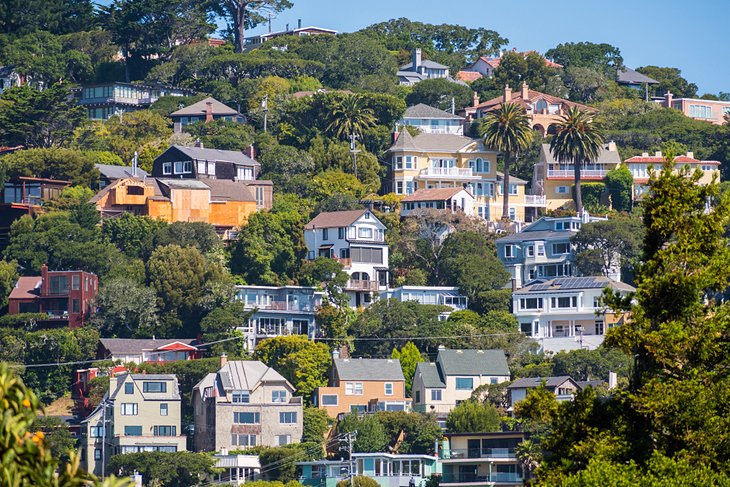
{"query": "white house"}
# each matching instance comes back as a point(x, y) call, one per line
point(357, 240)
point(449, 199)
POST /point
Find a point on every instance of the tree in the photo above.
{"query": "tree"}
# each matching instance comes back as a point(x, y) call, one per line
point(507, 129)
point(472, 417)
point(282, 163)
point(222, 324)
point(200, 235)
point(604, 58)
point(56, 437)
point(327, 273)
point(55, 16)
point(438, 93)
point(8, 278)
point(420, 432)
point(132, 234)
point(409, 357)
point(516, 68)
point(53, 163)
point(246, 14)
point(126, 309)
point(329, 183)
point(222, 134)
point(578, 139)
point(178, 469)
point(670, 79)
point(350, 117)
point(620, 183)
point(603, 247)
point(316, 423)
point(588, 85)
point(371, 436)
point(538, 409)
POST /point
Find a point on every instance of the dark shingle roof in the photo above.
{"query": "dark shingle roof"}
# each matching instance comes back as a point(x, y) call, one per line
point(203, 154)
point(430, 375)
point(333, 219)
point(425, 111)
point(368, 369)
point(473, 362)
point(532, 382)
point(629, 76)
point(137, 345)
point(113, 172)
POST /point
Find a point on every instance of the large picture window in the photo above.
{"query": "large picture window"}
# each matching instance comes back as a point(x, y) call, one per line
point(367, 255)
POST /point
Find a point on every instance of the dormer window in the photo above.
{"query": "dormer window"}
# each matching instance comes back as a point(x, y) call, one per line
point(367, 215)
point(365, 232)
point(240, 397)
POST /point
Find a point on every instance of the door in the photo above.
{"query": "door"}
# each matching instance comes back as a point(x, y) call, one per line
point(474, 448)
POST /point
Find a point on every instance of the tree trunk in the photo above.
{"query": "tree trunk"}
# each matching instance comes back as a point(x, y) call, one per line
point(239, 26)
point(505, 188)
point(577, 197)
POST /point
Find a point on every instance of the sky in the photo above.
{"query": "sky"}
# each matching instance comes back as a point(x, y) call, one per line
point(687, 34)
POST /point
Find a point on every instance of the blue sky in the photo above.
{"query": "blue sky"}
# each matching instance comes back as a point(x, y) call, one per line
point(689, 35)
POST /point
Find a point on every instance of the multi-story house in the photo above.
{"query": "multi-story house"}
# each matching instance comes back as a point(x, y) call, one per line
point(542, 250)
point(478, 459)
point(9, 78)
point(440, 386)
point(363, 385)
point(277, 311)
point(553, 179)
point(713, 111)
point(141, 412)
point(245, 404)
point(564, 388)
point(448, 199)
point(102, 101)
point(66, 297)
point(356, 239)
point(430, 120)
point(387, 469)
point(486, 65)
point(442, 295)
point(204, 111)
point(420, 69)
point(640, 167)
point(568, 309)
point(629, 78)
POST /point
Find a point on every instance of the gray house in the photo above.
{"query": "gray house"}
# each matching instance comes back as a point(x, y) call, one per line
point(205, 110)
point(564, 387)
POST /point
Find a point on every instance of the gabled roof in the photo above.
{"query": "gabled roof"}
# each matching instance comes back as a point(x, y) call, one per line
point(333, 219)
point(112, 172)
point(204, 154)
point(473, 362)
point(172, 393)
point(532, 96)
point(27, 287)
point(430, 375)
point(426, 63)
point(435, 194)
point(201, 107)
point(404, 141)
point(424, 142)
point(368, 369)
point(574, 283)
point(629, 76)
point(126, 346)
point(247, 375)
point(426, 111)
point(512, 179)
point(533, 382)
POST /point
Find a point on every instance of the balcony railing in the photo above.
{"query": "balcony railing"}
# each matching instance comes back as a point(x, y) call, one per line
point(356, 285)
point(584, 173)
point(478, 453)
point(57, 314)
point(535, 200)
point(448, 172)
point(460, 478)
point(346, 262)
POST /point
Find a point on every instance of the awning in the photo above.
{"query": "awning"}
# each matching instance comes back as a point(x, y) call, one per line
point(326, 246)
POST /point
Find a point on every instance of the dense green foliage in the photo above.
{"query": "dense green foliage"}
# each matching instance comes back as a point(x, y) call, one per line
point(472, 416)
point(179, 469)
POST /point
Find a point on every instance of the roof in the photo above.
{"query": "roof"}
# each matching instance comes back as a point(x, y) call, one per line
point(404, 141)
point(27, 287)
point(111, 171)
point(532, 382)
point(629, 76)
point(203, 154)
point(201, 107)
point(125, 346)
point(468, 75)
point(473, 362)
point(605, 156)
point(333, 219)
point(572, 283)
point(425, 142)
point(647, 159)
point(430, 375)
point(247, 374)
point(435, 194)
point(524, 236)
point(426, 63)
point(512, 179)
point(532, 95)
point(294, 31)
point(426, 111)
point(494, 62)
point(368, 369)
point(183, 183)
point(227, 190)
point(172, 393)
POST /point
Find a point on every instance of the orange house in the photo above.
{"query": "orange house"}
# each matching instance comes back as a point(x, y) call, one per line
point(363, 385)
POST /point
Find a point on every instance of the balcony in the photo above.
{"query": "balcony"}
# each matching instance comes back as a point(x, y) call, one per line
point(346, 262)
point(584, 173)
point(449, 173)
point(56, 314)
point(289, 306)
point(473, 478)
point(357, 285)
point(535, 200)
point(492, 453)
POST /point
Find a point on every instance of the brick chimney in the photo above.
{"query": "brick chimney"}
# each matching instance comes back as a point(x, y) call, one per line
point(208, 111)
point(668, 97)
point(475, 99)
point(250, 151)
point(224, 359)
point(507, 96)
point(525, 91)
point(45, 283)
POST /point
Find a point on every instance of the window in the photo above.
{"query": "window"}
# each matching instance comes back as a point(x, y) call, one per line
point(513, 189)
point(245, 173)
point(240, 397)
point(410, 187)
point(398, 162)
point(540, 249)
point(399, 187)
point(599, 327)
point(564, 302)
point(509, 251)
point(561, 248)
point(246, 418)
point(358, 408)
point(76, 282)
point(530, 250)
point(341, 233)
point(418, 396)
point(561, 189)
point(278, 396)
point(435, 394)
point(129, 388)
point(163, 409)
point(364, 232)
point(132, 431)
point(59, 284)
point(329, 400)
point(353, 389)
point(97, 453)
point(388, 388)
point(166, 168)
point(530, 303)
point(512, 214)
point(96, 431)
point(75, 306)
point(325, 234)
point(129, 409)
point(464, 383)
point(154, 387)
point(344, 253)
point(367, 255)
point(260, 192)
point(409, 162)
point(164, 430)
point(700, 111)
point(282, 440)
point(288, 418)
point(243, 440)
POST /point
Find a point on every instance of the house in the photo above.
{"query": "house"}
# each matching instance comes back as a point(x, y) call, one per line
point(420, 69)
point(629, 78)
point(544, 111)
point(107, 99)
point(439, 161)
point(543, 250)
point(145, 350)
point(10, 78)
point(440, 386)
point(110, 173)
point(255, 41)
point(245, 404)
point(641, 166)
point(236, 469)
point(449, 199)
point(468, 76)
point(24, 196)
point(569, 309)
point(141, 412)
point(481, 458)
point(65, 297)
point(363, 385)
point(278, 311)
point(713, 111)
point(356, 239)
point(204, 111)
point(486, 65)
point(430, 120)
point(387, 469)
point(564, 388)
point(438, 295)
point(554, 179)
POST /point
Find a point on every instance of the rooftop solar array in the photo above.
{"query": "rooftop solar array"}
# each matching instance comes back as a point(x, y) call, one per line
point(571, 283)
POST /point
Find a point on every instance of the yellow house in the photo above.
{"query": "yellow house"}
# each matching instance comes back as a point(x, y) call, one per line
point(640, 167)
point(431, 161)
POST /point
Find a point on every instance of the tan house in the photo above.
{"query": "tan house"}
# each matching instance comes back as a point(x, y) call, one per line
point(245, 404)
point(141, 412)
point(641, 167)
point(363, 385)
point(440, 386)
point(481, 458)
point(554, 179)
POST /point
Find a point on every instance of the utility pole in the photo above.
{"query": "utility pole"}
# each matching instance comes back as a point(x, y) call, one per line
point(103, 438)
point(354, 151)
point(352, 467)
point(265, 106)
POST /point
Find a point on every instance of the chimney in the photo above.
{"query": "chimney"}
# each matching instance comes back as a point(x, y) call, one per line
point(475, 99)
point(507, 96)
point(612, 146)
point(250, 151)
point(525, 91)
point(668, 97)
point(644, 154)
point(514, 284)
point(208, 111)
point(658, 153)
point(441, 347)
point(199, 144)
point(416, 58)
point(335, 354)
point(299, 23)
point(224, 359)
point(134, 164)
point(690, 154)
point(612, 380)
point(224, 452)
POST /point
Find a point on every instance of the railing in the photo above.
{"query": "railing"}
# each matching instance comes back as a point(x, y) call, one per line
point(535, 200)
point(451, 172)
point(584, 173)
point(346, 262)
point(478, 453)
point(288, 306)
point(356, 285)
point(448, 478)
point(56, 314)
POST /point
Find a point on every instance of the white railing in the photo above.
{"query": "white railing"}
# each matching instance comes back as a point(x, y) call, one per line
point(584, 173)
point(535, 200)
point(453, 172)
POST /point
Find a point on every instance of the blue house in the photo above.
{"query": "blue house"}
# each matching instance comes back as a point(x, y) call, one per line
point(387, 469)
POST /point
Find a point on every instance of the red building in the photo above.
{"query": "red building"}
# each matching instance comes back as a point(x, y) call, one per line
point(66, 297)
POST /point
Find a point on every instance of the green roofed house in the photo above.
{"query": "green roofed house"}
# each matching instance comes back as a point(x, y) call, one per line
point(440, 386)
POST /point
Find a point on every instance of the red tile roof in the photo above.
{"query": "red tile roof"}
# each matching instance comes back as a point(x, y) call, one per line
point(532, 96)
point(494, 61)
point(660, 159)
point(468, 75)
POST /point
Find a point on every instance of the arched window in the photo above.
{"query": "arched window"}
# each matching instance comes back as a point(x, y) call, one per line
point(541, 106)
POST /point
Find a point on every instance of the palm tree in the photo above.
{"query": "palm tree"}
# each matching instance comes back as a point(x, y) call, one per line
point(507, 129)
point(350, 116)
point(529, 454)
point(578, 139)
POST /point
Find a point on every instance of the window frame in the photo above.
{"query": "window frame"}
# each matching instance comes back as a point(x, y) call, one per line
point(288, 417)
point(386, 387)
point(462, 379)
point(126, 406)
